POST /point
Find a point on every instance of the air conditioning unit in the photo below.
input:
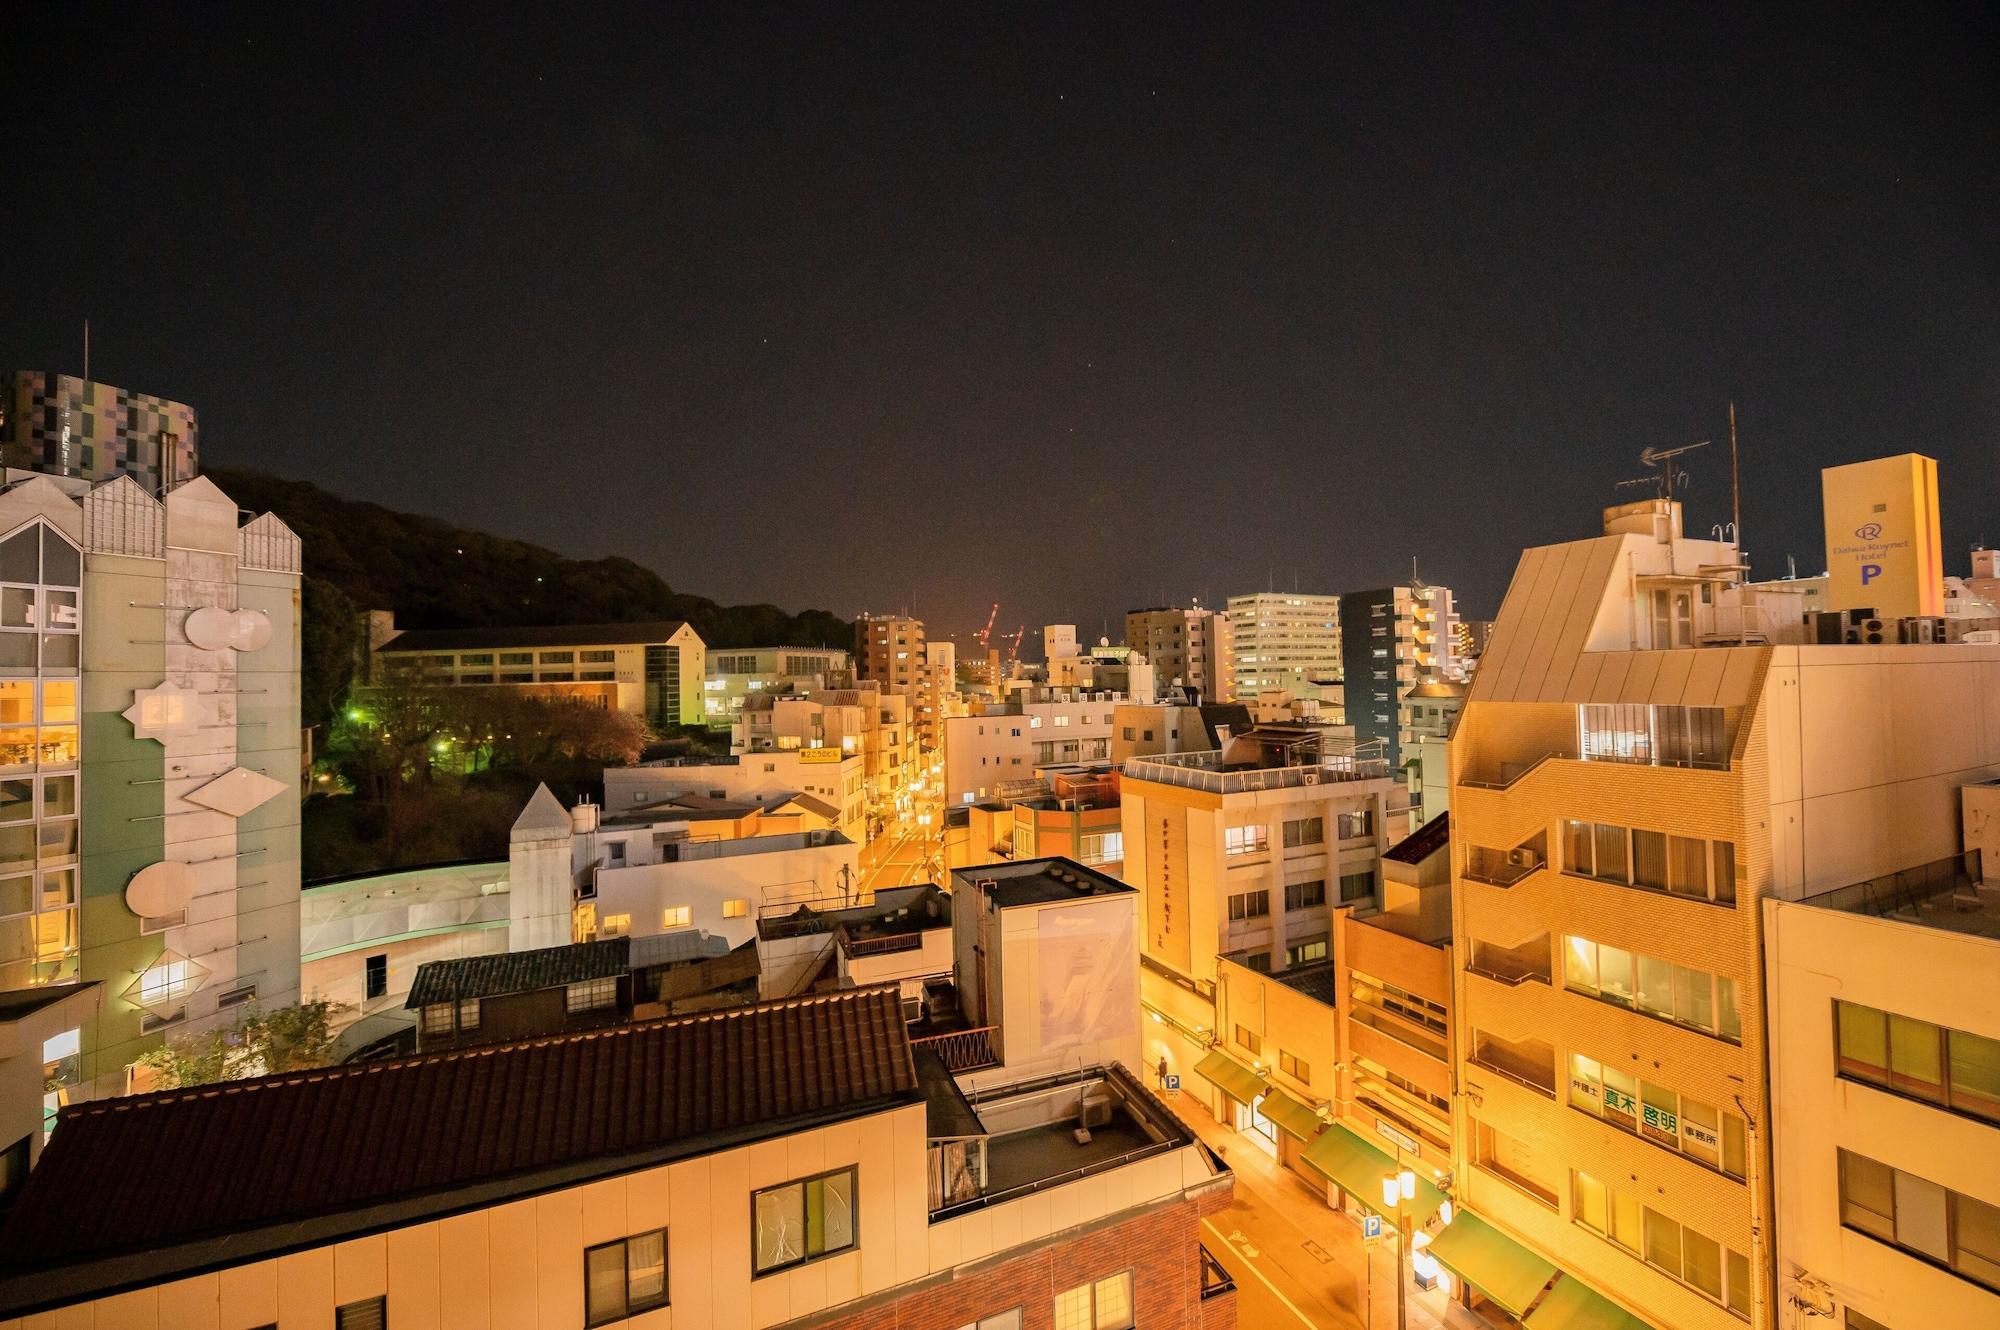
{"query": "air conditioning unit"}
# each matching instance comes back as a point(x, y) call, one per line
point(1312, 775)
point(1524, 856)
point(1923, 629)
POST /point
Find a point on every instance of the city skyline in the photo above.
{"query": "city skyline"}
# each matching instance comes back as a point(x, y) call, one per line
point(1283, 303)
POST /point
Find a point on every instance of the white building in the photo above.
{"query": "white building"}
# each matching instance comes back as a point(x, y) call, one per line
point(1286, 642)
point(1004, 744)
point(736, 674)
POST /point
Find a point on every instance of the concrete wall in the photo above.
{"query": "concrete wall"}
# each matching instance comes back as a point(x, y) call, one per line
point(705, 885)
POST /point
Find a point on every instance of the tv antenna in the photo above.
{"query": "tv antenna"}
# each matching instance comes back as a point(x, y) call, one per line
point(1666, 477)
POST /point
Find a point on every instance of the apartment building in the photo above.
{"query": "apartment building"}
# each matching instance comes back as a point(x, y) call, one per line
point(833, 776)
point(781, 1193)
point(1885, 1086)
point(1074, 815)
point(1429, 711)
point(875, 720)
point(1391, 640)
point(1285, 642)
point(1191, 647)
point(996, 749)
point(730, 676)
point(1642, 758)
point(60, 425)
point(889, 649)
point(651, 670)
point(939, 696)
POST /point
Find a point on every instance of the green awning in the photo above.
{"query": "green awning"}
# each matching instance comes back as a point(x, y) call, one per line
point(1289, 1113)
point(1342, 1155)
point(1572, 1305)
point(1491, 1262)
point(1231, 1077)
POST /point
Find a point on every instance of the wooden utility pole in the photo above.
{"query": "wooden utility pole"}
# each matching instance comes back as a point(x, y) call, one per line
point(1735, 488)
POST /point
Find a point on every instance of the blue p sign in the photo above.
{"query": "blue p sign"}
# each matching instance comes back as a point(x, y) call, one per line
point(1869, 572)
point(1173, 1082)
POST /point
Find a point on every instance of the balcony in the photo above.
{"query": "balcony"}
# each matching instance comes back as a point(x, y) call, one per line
point(1206, 771)
point(1530, 1063)
point(1498, 869)
point(1513, 966)
point(1505, 775)
point(1949, 894)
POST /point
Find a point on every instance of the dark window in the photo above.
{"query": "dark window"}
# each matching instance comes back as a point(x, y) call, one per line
point(625, 1277)
point(13, 1170)
point(1357, 886)
point(378, 975)
point(1304, 895)
point(367, 1314)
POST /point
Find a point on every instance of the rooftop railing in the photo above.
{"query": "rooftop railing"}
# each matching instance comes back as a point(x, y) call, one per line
point(1504, 775)
point(1205, 771)
point(1944, 893)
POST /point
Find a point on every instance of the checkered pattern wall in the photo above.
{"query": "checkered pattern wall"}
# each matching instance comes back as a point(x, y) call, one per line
point(72, 427)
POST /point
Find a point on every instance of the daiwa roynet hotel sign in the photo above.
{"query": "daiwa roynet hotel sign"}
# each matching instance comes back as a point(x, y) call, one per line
point(1882, 542)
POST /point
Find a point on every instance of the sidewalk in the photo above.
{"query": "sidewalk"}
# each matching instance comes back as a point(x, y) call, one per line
point(1307, 1256)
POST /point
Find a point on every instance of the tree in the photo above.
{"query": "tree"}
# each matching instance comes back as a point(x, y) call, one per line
point(295, 1038)
point(329, 646)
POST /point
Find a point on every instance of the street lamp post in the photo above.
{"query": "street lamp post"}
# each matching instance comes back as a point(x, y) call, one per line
point(1397, 1190)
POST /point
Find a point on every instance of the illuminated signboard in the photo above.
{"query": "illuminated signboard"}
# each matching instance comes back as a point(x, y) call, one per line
point(1882, 540)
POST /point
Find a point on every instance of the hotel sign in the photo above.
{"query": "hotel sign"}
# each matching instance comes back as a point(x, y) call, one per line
point(1882, 545)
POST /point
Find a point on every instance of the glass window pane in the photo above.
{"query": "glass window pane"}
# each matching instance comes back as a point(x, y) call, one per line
point(1590, 1203)
point(837, 1199)
point(17, 651)
point(1701, 1131)
point(1975, 1075)
point(1580, 964)
point(604, 1283)
point(1733, 1146)
point(1863, 1036)
point(19, 607)
point(1663, 1243)
point(17, 800)
point(1739, 1283)
point(1724, 879)
point(1701, 1262)
point(60, 561)
point(1660, 1114)
point(1576, 847)
point(1610, 854)
point(59, 701)
point(58, 796)
point(58, 842)
point(1920, 1216)
point(1649, 860)
point(1625, 1212)
point(1688, 861)
point(1614, 974)
point(1867, 1196)
point(646, 1263)
point(61, 651)
point(1656, 986)
point(17, 895)
point(1073, 1308)
point(17, 848)
point(781, 1224)
point(21, 557)
point(1114, 1303)
point(1585, 1083)
point(1621, 1098)
point(1976, 1240)
point(17, 702)
point(59, 611)
point(1728, 1022)
point(1915, 1062)
point(1694, 998)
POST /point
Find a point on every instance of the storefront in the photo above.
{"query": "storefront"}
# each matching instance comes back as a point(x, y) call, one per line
point(1507, 1285)
point(1238, 1090)
point(1295, 1126)
point(1355, 1170)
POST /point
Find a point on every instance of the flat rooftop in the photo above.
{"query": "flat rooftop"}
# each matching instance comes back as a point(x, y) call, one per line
point(1947, 894)
point(1318, 981)
point(1037, 882)
point(893, 912)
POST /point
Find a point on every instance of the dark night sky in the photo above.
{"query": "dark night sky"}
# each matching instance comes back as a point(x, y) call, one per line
point(861, 308)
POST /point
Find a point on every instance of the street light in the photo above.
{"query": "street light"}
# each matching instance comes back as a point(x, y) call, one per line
point(1397, 1189)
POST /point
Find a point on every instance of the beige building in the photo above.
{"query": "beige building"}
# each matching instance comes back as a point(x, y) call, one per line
point(873, 720)
point(1642, 758)
point(889, 649)
point(1191, 647)
point(1285, 642)
point(995, 751)
point(652, 670)
point(734, 675)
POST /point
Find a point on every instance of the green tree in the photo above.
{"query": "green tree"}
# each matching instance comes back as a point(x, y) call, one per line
point(295, 1038)
point(330, 645)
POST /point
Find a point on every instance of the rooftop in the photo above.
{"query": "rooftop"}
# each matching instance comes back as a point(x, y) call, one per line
point(1208, 771)
point(572, 635)
point(1422, 843)
point(16, 1003)
point(893, 913)
point(244, 1170)
point(506, 972)
point(1317, 981)
point(1038, 882)
point(1947, 894)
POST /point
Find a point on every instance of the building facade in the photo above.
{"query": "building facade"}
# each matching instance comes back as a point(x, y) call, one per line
point(734, 675)
point(1392, 639)
point(654, 671)
point(1286, 642)
point(889, 649)
point(997, 749)
point(1191, 647)
point(62, 426)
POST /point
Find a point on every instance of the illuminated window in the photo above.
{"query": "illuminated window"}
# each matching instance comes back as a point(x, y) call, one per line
point(590, 995)
point(735, 909)
point(1105, 1304)
point(1246, 840)
point(614, 925)
point(676, 916)
point(802, 1221)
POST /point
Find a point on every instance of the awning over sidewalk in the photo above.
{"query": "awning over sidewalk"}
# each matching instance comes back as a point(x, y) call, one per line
point(1358, 1167)
point(1572, 1305)
point(1231, 1077)
point(1289, 1113)
point(1491, 1262)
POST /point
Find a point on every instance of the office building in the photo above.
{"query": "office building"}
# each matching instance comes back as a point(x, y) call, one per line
point(889, 649)
point(995, 750)
point(1190, 647)
point(57, 425)
point(1391, 640)
point(736, 674)
point(939, 695)
point(1645, 754)
point(1286, 642)
point(1885, 1085)
point(651, 670)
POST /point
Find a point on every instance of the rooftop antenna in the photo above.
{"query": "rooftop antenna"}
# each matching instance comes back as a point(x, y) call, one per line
point(1735, 489)
point(86, 350)
point(1667, 476)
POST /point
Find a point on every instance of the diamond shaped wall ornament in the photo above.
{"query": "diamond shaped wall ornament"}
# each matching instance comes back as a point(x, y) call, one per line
point(236, 791)
point(166, 981)
point(166, 711)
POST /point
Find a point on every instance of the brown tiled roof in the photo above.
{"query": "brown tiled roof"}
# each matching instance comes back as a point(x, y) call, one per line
point(502, 972)
point(1422, 843)
point(150, 1187)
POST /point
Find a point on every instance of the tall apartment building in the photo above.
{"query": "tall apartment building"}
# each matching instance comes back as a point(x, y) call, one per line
point(1641, 760)
point(62, 426)
point(1390, 640)
point(1286, 642)
point(1187, 646)
point(730, 676)
point(149, 737)
point(875, 720)
point(997, 749)
point(1245, 852)
point(889, 648)
point(939, 696)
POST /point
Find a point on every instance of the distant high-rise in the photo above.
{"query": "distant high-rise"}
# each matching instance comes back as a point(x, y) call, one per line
point(63, 426)
point(1285, 642)
point(1189, 645)
point(1390, 640)
point(889, 648)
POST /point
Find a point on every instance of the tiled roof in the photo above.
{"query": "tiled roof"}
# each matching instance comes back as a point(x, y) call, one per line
point(1422, 843)
point(152, 1187)
point(575, 635)
point(518, 971)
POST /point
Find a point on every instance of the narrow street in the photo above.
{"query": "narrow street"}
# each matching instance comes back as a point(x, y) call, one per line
point(1295, 1261)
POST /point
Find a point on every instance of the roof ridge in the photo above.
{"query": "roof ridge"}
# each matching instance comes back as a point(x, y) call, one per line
point(349, 1070)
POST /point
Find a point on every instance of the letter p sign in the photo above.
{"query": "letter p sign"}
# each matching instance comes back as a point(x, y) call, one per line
point(1869, 572)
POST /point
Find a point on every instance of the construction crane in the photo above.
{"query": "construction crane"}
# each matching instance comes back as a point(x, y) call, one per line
point(1014, 652)
point(985, 634)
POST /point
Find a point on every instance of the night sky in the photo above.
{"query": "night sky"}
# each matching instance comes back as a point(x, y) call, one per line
point(862, 308)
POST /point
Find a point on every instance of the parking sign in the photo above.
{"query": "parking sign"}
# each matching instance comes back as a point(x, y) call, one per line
point(1173, 1083)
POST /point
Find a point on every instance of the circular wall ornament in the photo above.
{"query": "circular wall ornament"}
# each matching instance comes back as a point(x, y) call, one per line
point(213, 628)
point(160, 889)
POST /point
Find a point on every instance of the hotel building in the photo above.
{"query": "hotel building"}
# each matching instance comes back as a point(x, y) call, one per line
point(889, 648)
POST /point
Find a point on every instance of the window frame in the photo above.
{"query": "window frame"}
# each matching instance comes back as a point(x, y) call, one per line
point(629, 1307)
point(807, 1257)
